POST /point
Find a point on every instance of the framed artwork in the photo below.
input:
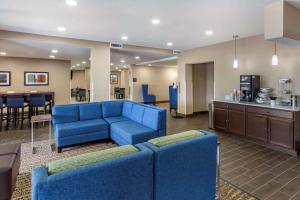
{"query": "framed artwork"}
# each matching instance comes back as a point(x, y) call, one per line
point(113, 79)
point(36, 78)
point(5, 78)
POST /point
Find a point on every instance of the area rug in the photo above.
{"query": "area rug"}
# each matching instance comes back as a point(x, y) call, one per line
point(43, 155)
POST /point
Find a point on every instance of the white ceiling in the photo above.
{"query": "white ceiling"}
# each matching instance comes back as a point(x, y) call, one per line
point(183, 22)
point(76, 54)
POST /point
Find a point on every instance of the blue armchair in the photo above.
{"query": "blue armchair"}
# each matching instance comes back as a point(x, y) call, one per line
point(148, 98)
point(173, 98)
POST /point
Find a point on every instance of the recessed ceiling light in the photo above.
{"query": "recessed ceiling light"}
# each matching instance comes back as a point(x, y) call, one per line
point(169, 44)
point(83, 62)
point(71, 3)
point(117, 67)
point(209, 32)
point(137, 57)
point(155, 21)
point(124, 38)
point(149, 65)
point(54, 51)
point(52, 56)
point(122, 61)
point(111, 64)
point(124, 66)
point(61, 28)
point(77, 64)
point(3, 53)
point(73, 66)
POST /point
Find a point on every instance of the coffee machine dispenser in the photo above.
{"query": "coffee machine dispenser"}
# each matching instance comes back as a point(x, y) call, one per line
point(249, 86)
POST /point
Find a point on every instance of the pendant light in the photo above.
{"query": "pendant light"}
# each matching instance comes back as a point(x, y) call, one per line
point(275, 57)
point(235, 61)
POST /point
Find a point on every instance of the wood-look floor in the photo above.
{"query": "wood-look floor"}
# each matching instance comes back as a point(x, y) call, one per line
point(264, 173)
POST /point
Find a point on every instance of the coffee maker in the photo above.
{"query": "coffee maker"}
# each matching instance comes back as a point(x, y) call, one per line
point(249, 86)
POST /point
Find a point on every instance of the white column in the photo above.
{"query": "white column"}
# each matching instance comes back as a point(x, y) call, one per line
point(100, 72)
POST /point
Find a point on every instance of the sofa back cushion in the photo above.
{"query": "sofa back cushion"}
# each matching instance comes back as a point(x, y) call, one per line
point(89, 158)
point(127, 109)
point(179, 137)
point(152, 118)
point(137, 113)
point(90, 111)
point(65, 113)
point(112, 108)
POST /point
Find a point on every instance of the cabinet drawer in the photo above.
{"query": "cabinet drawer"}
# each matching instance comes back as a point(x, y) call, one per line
point(281, 113)
point(218, 104)
point(236, 107)
point(258, 110)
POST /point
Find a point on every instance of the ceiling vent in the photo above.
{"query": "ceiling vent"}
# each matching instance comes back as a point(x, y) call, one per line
point(175, 52)
point(116, 46)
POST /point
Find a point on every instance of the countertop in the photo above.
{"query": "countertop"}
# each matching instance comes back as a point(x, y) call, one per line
point(287, 108)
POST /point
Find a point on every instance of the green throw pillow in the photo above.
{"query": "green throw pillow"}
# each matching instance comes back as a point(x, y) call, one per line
point(89, 158)
point(171, 139)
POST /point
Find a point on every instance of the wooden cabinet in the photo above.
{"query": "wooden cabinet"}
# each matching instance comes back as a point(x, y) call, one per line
point(230, 118)
point(236, 122)
point(271, 127)
point(257, 127)
point(281, 132)
point(220, 118)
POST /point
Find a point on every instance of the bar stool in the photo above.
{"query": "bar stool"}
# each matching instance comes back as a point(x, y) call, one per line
point(37, 101)
point(2, 117)
point(14, 103)
point(49, 102)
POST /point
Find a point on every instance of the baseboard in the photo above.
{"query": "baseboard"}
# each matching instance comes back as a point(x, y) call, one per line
point(164, 101)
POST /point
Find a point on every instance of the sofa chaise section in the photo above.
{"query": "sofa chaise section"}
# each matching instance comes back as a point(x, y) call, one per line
point(144, 123)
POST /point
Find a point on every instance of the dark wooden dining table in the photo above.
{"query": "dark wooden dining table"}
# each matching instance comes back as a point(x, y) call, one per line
point(26, 95)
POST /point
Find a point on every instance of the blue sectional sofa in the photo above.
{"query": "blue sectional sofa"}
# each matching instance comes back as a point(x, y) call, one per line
point(182, 170)
point(125, 122)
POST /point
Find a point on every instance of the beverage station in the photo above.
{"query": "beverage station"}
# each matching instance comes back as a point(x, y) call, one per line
point(260, 115)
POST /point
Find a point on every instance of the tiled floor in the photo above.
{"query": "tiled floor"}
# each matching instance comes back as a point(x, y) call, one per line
point(262, 172)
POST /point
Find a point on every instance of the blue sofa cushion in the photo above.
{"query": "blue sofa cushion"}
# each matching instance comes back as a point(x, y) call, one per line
point(137, 113)
point(111, 120)
point(127, 109)
point(90, 111)
point(132, 132)
point(80, 127)
point(65, 114)
point(152, 118)
point(112, 108)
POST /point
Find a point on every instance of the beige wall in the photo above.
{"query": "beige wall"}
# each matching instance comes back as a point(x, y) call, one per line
point(254, 55)
point(59, 76)
point(158, 79)
point(78, 79)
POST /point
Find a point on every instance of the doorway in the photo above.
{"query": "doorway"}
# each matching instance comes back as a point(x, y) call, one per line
point(203, 86)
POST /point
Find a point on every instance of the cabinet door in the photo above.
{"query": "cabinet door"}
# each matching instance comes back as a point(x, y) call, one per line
point(220, 118)
point(236, 122)
point(281, 132)
point(257, 127)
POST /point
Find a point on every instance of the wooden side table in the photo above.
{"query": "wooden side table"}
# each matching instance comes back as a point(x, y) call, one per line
point(37, 119)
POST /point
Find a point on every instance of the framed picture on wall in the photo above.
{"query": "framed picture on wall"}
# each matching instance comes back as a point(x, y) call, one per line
point(5, 78)
point(36, 78)
point(113, 79)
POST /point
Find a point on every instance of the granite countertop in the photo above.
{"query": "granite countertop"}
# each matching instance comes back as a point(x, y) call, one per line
point(287, 108)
